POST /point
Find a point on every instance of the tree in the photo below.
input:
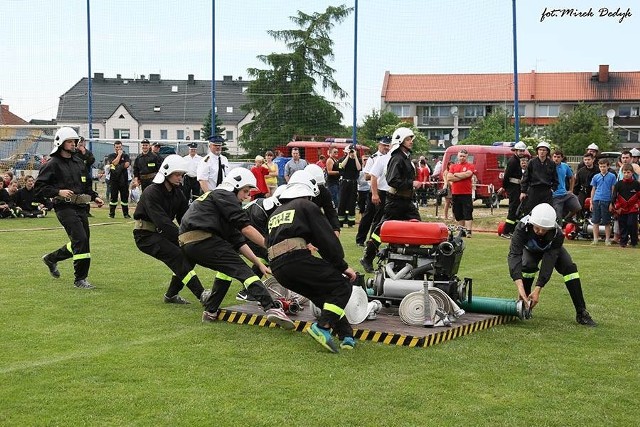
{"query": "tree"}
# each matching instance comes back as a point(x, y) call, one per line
point(283, 98)
point(205, 131)
point(497, 126)
point(576, 129)
point(373, 125)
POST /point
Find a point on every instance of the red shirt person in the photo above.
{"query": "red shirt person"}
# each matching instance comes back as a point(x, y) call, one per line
point(260, 170)
point(460, 176)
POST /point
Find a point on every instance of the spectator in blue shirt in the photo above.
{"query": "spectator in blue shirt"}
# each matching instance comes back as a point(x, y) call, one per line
point(601, 193)
point(565, 203)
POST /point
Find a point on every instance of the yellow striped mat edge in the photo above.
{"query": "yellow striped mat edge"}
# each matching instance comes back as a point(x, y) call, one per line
point(377, 336)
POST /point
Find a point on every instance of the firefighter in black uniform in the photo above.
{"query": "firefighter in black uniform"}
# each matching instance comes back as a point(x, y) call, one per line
point(64, 179)
point(324, 200)
point(401, 177)
point(540, 179)
point(145, 166)
point(88, 158)
point(511, 186)
point(213, 231)
point(156, 234)
point(350, 167)
point(538, 239)
point(119, 180)
point(294, 225)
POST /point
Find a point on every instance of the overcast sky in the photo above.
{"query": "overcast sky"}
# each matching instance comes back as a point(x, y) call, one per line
point(43, 47)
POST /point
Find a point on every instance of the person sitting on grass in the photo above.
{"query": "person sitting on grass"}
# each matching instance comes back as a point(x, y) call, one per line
point(538, 240)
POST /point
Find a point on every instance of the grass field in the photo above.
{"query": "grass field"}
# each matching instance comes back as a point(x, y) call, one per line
point(118, 355)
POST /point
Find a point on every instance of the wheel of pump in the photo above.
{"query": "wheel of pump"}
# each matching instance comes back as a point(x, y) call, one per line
point(412, 311)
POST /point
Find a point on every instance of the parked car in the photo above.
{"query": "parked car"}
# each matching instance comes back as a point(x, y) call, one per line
point(22, 161)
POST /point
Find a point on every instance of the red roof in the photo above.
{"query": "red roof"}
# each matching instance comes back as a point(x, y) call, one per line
point(8, 118)
point(579, 86)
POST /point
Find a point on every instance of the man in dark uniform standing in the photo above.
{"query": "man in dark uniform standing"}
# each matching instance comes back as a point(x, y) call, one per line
point(190, 184)
point(350, 167)
point(511, 186)
point(325, 281)
point(119, 162)
point(214, 230)
point(88, 158)
point(538, 239)
point(156, 234)
point(540, 179)
point(64, 179)
point(145, 166)
point(401, 177)
point(324, 200)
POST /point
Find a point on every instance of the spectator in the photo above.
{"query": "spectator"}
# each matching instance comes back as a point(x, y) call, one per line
point(423, 176)
point(272, 178)
point(322, 162)
point(333, 175)
point(625, 201)
point(190, 184)
point(565, 202)
point(437, 169)
point(364, 188)
point(323, 199)
point(280, 161)
point(295, 164)
point(30, 205)
point(601, 192)
point(119, 162)
point(446, 189)
point(259, 171)
point(214, 166)
point(145, 166)
point(350, 167)
point(582, 187)
point(592, 149)
point(540, 179)
point(511, 187)
point(8, 208)
point(460, 176)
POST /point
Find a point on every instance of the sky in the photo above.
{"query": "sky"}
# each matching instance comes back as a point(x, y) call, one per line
point(43, 43)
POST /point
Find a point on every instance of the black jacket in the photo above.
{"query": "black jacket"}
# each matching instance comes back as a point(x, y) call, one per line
point(400, 171)
point(161, 206)
point(60, 173)
point(540, 174)
point(512, 171)
point(524, 239)
point(325, 202)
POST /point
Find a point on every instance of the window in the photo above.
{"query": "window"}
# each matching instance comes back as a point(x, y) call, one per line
point(401, 110)
point(511, 110)
point(95, 133)
point(474, 111)
point(121, 134)
point(196, 135)
point(146, 133)
point(163, 134)
point(629, 111)
point(438, 111)
point(229, 135)
point(229, 109)
point(180, 134)
point(543, 110)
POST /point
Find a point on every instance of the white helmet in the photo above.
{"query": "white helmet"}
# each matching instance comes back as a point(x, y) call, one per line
point(543, 215)
point(317, 173)
point(273, 200)
point(399, 135)
point(593, 146)
point(238, 178)
point(520, 146)
point(543, 144)
point(635, 152)
point(305, 178)
point(63, 134)
point(293, 191)
point(173, 163)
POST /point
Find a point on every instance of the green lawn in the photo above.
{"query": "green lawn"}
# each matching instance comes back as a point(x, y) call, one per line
point(118, 355)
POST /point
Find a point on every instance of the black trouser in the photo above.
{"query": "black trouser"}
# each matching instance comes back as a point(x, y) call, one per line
point(364, 197)
point(122, 188)
point(377, 211)
point(153, 244)
point(512, 214)
point(316, 279)
point(190, 187)
point(563, 265)
point(75, 222)
point(347, 201)
point(144, 183)
point(536, 195)
point(366, 220)
point(628, 228)
point(398, 208)
point(218, 254)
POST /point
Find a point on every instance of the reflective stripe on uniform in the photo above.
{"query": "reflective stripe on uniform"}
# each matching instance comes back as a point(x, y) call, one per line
point(251, 280)
point(223, 276)
point(333, 308)
point(81, 256)
point(113, 203)
point(509, 221)
point(69, 248)
point(375, 237)
point(571, 276)
point(188, 277)
point(528, 275)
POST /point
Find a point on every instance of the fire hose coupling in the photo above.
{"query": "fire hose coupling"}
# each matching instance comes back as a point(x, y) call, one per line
point(289, 306)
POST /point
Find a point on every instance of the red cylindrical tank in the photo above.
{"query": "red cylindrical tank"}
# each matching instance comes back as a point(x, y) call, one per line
point(414, 232)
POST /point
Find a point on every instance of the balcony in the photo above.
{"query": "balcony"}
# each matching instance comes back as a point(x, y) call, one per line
point(435, 121)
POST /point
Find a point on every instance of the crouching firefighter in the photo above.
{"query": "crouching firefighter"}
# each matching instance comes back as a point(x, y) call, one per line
point(155, 232)
point(294, 225)
point(64, 179)
point(214, 230)
point(538, 239)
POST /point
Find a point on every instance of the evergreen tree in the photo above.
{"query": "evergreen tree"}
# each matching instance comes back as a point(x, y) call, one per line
point(205, 131)
point(283, 97)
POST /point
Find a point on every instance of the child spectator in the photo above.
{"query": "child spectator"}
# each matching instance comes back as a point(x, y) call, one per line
point(601, 192)
point(625, 201)
point(260, 170)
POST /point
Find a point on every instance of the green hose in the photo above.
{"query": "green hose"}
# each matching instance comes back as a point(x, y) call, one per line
point(489, 305)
